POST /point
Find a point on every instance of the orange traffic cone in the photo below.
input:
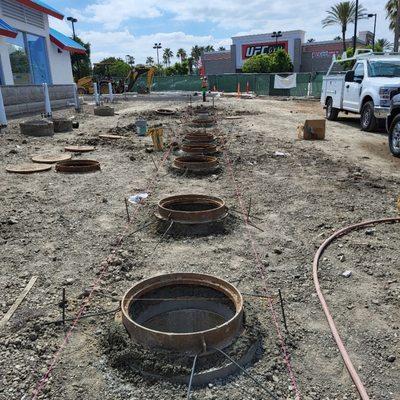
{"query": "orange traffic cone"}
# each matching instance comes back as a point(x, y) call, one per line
point(238, 90)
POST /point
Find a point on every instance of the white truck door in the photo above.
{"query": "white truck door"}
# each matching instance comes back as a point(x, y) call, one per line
point(352, 90)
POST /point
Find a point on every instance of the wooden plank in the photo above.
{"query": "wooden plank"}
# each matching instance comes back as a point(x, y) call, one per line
point(17, 302)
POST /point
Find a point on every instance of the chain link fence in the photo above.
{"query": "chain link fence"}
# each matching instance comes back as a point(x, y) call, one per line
point(307, 84)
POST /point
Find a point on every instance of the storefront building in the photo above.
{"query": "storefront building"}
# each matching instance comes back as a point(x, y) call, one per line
point(306, 57)
point(31, 53)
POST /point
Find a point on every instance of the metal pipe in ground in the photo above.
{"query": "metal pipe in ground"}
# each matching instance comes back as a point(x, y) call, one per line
point(110, 92)
point(3, 116)
point(47, 105)
point(96, 94)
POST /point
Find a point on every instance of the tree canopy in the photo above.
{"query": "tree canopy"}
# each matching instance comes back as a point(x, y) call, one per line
point(277, 62)
point(81, 65)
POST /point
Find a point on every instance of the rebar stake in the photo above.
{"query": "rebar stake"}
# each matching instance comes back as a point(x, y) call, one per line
point(128, 217)
point(63, 304)
point(283, 310)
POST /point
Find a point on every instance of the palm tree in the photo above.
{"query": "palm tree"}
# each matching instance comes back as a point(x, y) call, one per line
point(311, 40)
point(181, 53)
point(209, 48)
point(343, 14)
point(391, 13)
point(167, 55)
point(196, 53)
point(337, 38)
point(384, 44)
point(221, 48)
point(149, 60)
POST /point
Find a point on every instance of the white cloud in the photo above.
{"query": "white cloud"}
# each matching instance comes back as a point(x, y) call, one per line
point(227, 14)
point(120, 43)
point(61, 26)
point(110, 24)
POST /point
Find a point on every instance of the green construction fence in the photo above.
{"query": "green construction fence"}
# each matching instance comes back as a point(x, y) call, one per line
point(307, 84)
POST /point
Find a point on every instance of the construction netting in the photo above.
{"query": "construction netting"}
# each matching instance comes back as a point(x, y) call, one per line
point(307, 84)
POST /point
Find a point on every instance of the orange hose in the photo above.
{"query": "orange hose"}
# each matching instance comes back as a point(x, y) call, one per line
point(344, 231)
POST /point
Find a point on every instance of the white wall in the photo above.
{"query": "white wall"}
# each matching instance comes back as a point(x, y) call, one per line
point(60, 64)
point(289, 36)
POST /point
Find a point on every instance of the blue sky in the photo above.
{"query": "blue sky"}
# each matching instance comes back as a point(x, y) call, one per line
point(120, 27)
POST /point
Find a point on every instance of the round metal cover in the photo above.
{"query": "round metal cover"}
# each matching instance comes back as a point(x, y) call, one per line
point(28, 168)
point(50, 158)
point(78, 166)
point(105, 136)
point(80, 149)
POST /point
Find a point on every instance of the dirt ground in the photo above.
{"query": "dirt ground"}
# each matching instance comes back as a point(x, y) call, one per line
point(62, 228)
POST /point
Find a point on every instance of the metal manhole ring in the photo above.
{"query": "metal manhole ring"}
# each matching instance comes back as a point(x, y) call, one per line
point(78, 166)
point(50, 158)
point(196, 163)
point(80, 149)
point(199, 137)
point(162, 324)
point(165, 111)
point(192, 209)
point(28, 168)
point(196, 148)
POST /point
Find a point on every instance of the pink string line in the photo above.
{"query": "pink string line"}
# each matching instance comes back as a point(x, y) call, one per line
point(105, 263)
point(262, 273)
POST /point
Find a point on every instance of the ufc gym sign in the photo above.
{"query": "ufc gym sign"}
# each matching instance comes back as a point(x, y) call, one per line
point(250, 50)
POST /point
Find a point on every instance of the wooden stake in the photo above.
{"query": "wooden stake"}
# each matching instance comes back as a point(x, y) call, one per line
point(17, 302)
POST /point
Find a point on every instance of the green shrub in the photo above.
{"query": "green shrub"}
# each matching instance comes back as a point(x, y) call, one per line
point(279, 61)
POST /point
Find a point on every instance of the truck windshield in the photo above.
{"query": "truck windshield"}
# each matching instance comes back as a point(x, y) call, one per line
point(389, 69)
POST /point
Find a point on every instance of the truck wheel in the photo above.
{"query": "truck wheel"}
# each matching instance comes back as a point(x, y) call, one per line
point(331, 112)
point(394, 136)
point(368, 121)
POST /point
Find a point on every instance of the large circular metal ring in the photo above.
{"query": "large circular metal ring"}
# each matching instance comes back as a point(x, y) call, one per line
point(192, 209)
point(183, 312)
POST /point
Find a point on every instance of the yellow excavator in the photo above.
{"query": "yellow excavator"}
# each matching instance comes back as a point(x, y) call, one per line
point(85, 84)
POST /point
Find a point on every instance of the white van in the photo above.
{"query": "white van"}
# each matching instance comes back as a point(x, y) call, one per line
point(361, 85)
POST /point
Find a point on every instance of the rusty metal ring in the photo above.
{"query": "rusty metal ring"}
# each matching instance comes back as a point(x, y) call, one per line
point(78, 166)
point(192, 209)
point(190, 343)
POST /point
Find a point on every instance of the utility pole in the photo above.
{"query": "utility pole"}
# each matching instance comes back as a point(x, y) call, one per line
point(397, 29)
point(355, 28)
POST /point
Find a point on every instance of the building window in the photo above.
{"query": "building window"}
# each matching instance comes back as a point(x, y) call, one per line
point(19, 60)
point(29, 61)
point(38, 59)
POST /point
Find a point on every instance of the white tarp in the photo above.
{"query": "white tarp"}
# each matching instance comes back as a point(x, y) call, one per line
point(285, 82)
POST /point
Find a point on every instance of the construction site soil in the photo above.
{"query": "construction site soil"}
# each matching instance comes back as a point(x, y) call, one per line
point(71, 232)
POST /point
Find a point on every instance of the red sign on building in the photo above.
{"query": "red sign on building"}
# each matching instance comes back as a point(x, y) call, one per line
point(254, 49)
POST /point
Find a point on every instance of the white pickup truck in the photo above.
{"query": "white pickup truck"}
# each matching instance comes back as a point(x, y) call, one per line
point(362, 85)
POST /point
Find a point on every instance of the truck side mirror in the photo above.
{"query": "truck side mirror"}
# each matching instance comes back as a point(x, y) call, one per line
point(349, 76)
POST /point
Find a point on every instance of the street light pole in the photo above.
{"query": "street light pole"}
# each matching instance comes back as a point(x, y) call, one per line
point(73, 22)
point(373, 40)
point(276, 35)
point(157, 46)
point(355, 28)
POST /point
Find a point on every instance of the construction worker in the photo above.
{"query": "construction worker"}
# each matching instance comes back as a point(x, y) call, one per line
point(204, 87)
